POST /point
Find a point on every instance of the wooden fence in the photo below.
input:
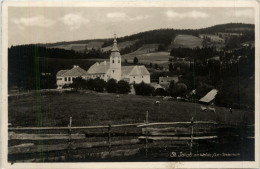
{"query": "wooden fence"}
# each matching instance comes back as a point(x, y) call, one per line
point(24, 141)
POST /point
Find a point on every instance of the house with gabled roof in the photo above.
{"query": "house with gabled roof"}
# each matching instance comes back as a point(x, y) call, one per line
point(106, 70)
point(66, 76)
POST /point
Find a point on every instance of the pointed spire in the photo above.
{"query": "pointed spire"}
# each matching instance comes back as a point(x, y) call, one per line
point(115, 48)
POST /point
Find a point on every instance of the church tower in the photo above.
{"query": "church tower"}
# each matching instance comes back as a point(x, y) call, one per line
point(115, 62)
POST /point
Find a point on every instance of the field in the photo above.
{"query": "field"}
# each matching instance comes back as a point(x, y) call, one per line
point(80, 47)
point(120, 46)
point(87, 108)
point(160, 58)
point(54, 109)
point(186, 41)
point(146, 48)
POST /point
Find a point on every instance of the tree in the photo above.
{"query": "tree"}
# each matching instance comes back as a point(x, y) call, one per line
point(99, 85)
point(161, 48)
point(156, 66)
point(159, 92)
point(177, 89)
point(170, 67)
point(78, 83)
point(111, 86)
point(143, 89)
point(126, 61)
point(172, 88)
point(135, 60)
point(151, 65)
point(123, 87)
point(90, 84)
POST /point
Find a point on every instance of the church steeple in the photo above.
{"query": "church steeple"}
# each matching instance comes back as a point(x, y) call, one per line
point(115, 48)
point(115, 62)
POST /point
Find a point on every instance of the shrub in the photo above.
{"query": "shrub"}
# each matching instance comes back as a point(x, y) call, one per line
point(99, 85)
point(123, 87)
point(143, 89)
point(78, 83)
point(159, 92)
point(135, 60)
point(90, 84)
point(177, 89)
point(111, 86)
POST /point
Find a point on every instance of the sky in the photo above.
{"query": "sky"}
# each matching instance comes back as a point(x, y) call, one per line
point(55, 24)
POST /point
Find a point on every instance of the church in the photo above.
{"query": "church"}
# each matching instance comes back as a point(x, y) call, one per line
point(106, 70)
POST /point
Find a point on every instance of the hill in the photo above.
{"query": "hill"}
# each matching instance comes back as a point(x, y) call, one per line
point(186, 41)
point(159, 36)
point(120, 45)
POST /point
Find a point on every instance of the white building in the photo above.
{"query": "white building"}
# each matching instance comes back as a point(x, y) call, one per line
point(66, 76)
point(108, 70)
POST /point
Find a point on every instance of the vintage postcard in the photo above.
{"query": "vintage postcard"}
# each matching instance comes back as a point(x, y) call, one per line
point(130, 84)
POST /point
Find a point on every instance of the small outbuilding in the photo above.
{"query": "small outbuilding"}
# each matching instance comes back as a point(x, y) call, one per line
point(209, 98)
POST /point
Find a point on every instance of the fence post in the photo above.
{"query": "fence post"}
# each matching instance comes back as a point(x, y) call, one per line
point(109, 137)
point(69, 140)
point(191, 139)
point(146, 133)
point(70, 129)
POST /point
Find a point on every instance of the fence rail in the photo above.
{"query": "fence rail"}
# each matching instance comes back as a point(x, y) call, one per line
point(175, 132)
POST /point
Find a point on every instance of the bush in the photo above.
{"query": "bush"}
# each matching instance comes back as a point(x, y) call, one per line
point(78, 83)
point(135, 60)
point(123, 87)
point(111, 86)
point(100, 85)
point(90, 84)
point(159, 92)
point(143, 89)
point(97, 84)
point(177, 89)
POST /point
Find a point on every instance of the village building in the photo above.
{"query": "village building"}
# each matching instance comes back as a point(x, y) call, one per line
point(106, 70)
point(167, 80)
point(209, 98)
point(65, 77)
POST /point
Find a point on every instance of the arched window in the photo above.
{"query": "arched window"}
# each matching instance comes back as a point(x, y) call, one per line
point(113, 61)
point(118, 61)
point(113, 71)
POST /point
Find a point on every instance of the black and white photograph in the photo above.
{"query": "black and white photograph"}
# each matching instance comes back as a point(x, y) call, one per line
point(130, 83)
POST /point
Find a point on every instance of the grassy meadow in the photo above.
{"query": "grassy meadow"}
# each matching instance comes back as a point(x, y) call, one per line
point(80, 47)
point(160, 58)
point(186, 41)
point(88, 108)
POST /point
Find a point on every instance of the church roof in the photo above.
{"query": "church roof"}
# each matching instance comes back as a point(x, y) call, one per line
point(99, 68)
point(134, 71)
point(115, 48)
point(75, 71)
